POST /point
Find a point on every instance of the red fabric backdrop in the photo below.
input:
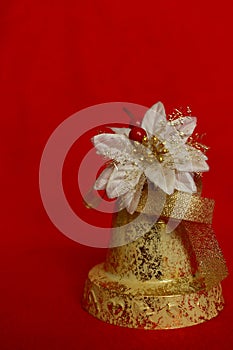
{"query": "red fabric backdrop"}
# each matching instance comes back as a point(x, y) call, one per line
point(58, 57)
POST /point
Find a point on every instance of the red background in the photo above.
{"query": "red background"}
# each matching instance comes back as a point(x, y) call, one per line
point(58, 57)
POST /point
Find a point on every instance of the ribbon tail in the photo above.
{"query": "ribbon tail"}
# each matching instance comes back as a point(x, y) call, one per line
point(210, 261)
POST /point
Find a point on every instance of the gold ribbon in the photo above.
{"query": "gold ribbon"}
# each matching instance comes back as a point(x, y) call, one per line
point(180, 206)
point(195, 214)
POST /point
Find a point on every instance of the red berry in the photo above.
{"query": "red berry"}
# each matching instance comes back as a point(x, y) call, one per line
point(137, 134)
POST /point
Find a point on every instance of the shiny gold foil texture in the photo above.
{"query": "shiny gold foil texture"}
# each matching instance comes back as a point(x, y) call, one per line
point(162, 279)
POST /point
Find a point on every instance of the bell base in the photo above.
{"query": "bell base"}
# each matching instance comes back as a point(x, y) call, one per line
point(128, 303)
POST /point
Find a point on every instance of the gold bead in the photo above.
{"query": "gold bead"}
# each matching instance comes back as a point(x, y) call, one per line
point(165, 150)
point(160, 147)
point(160, 159)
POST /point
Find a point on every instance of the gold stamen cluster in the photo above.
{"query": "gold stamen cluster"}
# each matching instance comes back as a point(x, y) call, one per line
point(157, 148)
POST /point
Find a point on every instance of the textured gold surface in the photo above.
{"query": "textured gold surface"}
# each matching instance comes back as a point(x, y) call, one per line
point(190, 249)
point(160, 280)
point(139, 305)
point(154, 282)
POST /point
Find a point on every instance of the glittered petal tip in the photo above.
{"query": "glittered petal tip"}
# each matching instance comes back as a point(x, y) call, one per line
point(185, 183)
point(131, 199)
point(189, 159)
point(103, 179)
point(186, 127)
point(164, 178)
point(113, 146)
point(154, 119)
point(195, 161)
point(171, 136)
point(123, 179)
point(178, 131)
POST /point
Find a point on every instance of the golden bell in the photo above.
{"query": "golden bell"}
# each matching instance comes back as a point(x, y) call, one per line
point(159, 280)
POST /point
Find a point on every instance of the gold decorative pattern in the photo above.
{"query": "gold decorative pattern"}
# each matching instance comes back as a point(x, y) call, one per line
point(138, 305)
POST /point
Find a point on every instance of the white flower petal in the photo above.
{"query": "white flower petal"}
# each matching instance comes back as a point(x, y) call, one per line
point(132, 204)
point(103, 178)
point(121, 131)
point(162, 177)
point(175, 135)
point(171, 136)
point(113, 146)
point(126, 199)
point(186, 127)
point(123, 179)
point(130, 201)
point(194, 161)
point(185, 183)
point(180, 157)
point(154, 119)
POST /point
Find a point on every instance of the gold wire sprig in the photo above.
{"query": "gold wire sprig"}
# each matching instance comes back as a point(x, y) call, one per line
point(180, 112)
point(195, 141)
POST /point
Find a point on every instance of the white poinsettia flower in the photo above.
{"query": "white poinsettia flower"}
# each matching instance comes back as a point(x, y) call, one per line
point(162, 157)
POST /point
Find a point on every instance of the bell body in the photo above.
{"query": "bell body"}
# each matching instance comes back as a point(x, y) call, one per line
point(153, 282)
